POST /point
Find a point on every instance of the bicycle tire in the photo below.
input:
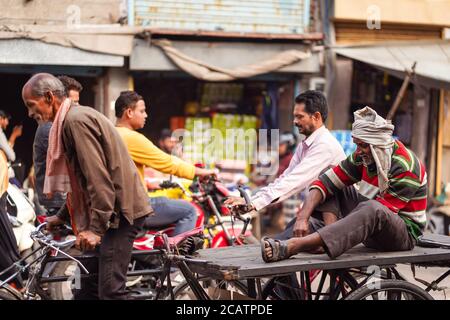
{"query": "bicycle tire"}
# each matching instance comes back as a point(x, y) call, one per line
point(61, 290)
point(7, 294)
point(400, 286)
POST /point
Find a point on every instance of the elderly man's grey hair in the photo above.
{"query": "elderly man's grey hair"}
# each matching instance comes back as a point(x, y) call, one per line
point(41, 83)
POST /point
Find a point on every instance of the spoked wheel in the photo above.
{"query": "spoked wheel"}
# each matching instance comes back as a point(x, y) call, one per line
point(216, 289)
point(327, 286)
point(390, 290)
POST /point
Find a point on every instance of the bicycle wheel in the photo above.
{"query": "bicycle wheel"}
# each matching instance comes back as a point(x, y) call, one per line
point(62, 290)
point(9, 293)
point(216, 289)
point(333, 286)
point(389, 290)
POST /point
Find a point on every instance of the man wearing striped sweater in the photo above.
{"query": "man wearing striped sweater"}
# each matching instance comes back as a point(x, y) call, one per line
point(387, 212)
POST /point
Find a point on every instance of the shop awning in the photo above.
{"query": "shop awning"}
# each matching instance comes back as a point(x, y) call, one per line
point(432, 57)
point(33, 52)
point(106, 39)
point(223, 61)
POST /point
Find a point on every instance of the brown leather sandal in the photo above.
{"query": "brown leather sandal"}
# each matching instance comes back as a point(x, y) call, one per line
point(279, 249)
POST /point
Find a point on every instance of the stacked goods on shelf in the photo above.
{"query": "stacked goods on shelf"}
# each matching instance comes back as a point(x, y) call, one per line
point(196, 138)
point(213, 93)
point(226, 125)
point(232, 171)
point(234, 138)
point(231, 138)
point(247, 147)
point(238, 134)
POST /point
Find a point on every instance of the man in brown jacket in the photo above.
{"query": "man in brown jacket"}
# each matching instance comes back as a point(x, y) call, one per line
point(107, 202)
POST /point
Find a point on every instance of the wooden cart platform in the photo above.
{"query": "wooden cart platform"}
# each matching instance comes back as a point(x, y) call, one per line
point(245, 262)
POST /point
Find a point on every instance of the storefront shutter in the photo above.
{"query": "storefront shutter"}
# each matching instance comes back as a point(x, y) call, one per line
point(251, 16)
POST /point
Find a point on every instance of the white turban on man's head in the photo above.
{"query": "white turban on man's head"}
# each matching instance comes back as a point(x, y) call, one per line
point(372, 129)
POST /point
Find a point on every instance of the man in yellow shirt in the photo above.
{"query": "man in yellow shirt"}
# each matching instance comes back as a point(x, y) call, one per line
point(131, 116)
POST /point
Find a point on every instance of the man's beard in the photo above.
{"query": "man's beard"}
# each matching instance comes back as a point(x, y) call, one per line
point(306, 130)
point(367, 161)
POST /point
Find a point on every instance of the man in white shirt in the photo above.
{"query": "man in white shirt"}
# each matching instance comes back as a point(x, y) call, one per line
point(317, 152)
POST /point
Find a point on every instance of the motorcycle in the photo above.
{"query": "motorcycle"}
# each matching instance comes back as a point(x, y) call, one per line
point(220, 227)
point(207, 196)
point(22, 217)
point(17, 222)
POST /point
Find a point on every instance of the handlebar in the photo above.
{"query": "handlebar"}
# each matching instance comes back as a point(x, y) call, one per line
point(40, 236)
point(47, 241)
point(239, 210)
point(167, 184)
point(244, 195)
point(243, 217)
point(39, 227)
point(208, 178)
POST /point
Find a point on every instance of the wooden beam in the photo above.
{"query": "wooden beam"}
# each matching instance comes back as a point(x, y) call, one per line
point(314, 36)
point(401, 93)
point(440, 142)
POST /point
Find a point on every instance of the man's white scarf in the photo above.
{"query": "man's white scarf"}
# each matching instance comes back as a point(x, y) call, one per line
point(372, 129)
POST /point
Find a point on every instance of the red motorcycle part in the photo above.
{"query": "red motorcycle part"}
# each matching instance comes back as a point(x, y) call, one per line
point(220, 239)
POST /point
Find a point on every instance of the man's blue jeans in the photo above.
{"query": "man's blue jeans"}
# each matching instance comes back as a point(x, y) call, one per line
point(169, 211)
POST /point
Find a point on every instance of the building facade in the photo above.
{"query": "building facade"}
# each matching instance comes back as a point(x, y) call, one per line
point(373, 44)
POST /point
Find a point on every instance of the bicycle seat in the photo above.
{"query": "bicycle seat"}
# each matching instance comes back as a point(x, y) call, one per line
point(175, 241)
point(186, 243)
point(154, 230)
